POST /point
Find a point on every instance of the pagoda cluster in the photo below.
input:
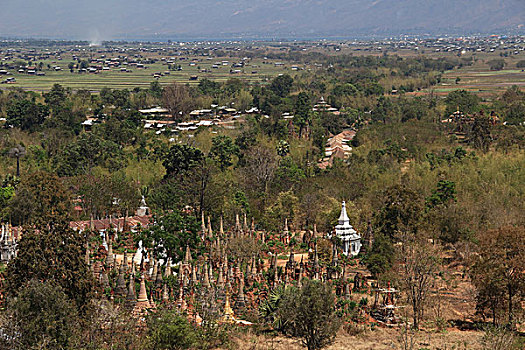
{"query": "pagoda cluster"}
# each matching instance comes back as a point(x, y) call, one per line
point(212, 286)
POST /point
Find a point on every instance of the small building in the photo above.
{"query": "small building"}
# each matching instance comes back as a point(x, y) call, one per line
point(350, 238)
point(337, 147)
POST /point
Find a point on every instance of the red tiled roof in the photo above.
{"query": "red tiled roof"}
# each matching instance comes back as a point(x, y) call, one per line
point(103, 224)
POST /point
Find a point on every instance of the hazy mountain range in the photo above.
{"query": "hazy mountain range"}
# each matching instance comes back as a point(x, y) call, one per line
point(128, 19)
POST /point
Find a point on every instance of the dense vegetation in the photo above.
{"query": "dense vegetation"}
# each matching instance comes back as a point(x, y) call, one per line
point(410, 178)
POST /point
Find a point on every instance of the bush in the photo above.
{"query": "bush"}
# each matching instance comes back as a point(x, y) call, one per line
point(170, 330)
point(309, 313)
point(496, 64)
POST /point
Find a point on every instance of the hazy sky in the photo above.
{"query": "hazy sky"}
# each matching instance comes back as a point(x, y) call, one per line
point(121, 19)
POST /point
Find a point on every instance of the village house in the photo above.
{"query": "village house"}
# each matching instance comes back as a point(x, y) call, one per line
point(337, 147)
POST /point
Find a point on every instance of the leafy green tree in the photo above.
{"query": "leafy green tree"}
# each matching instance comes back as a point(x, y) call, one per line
point(285, 206)
point(54, 253)
point(86, 152)
point(170, 235)
point(26, 115)
point(383, 110)
point(288, 174)
point(463, 100)
point(401, 211)
point(181, 158)
point(223, 150)
point(169, 330)
point(56, 96)
point(415, 108)
point(303, 110)
point(65, 118)
point(209, 87)
point(40, 317)
point(381, 257)
point(155, 89)
point(269, 308)
point(282, 85)
point(40, 199)
point(309, 313)
point(345, 90)
point(480, 135)
point(442, 195)
point(167, 195)
point(7, 192)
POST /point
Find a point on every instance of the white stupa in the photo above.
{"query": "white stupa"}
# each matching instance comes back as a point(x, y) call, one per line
point(350, 238)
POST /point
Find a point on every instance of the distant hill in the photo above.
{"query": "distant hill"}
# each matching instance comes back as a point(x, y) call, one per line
point(120, 19)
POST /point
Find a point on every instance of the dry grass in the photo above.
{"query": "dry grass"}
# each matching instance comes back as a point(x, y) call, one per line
point(378, 339)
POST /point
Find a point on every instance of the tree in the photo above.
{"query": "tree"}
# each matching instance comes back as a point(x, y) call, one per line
point(17, 152)
point(167, 329)
point(302, 111)
point(259, 168)
point(417, 267)
point(209, 87)
point(56, 96)
point(181, 158)
point(222, 151)
point(463, 100)
point(383, 110)
point(177, 99)
point(54, 254)
point(282, 85)
point(87, 151)
point(26, 115)
point(170, 235)
point(480, 135)
point(520, 64)
point(40, 199)
point(496, 64)
point(498, 275)
point(442, 195)
point(288, 175)
point(40, 317)
point(284, 207)
point(155, 89)
point(401, 210)
point(7, 191)
point(381, 257)
point(309, 313)
point(65, 118)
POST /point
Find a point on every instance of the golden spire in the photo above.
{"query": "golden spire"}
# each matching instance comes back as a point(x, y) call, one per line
point(228, 311)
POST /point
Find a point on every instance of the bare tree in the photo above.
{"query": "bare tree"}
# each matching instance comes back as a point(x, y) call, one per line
point(261, 163)
point(177, 99)
point(417, 266)
point(17, 152)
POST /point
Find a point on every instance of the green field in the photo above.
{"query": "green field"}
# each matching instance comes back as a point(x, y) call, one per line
point(479, 79)
point(139, 77)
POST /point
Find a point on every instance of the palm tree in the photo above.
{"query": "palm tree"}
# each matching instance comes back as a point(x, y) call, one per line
point(17, 152)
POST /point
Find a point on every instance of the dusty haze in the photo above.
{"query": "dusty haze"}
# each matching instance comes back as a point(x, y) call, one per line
point(98, 20)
